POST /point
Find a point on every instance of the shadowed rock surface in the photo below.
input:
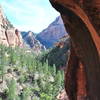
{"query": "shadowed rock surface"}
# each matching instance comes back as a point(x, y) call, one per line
point(82, 76)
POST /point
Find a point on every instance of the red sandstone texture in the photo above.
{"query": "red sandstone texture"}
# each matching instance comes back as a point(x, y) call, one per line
point(82, 20)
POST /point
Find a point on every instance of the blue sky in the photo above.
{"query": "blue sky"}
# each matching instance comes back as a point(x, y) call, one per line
point(34, 15)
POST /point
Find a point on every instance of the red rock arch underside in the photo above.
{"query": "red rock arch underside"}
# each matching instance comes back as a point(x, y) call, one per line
point(82, 20)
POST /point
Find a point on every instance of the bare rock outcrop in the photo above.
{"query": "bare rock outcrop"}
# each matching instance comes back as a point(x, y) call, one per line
point(13, 37)
point(9, 36)
point(62, 95)
point(31, 40)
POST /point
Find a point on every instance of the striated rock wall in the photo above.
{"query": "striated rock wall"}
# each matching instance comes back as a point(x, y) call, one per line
point(9, 36)
point(83, 69)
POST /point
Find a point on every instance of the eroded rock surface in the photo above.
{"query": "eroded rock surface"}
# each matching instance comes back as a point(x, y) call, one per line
point(8, 34)
point(83, 72)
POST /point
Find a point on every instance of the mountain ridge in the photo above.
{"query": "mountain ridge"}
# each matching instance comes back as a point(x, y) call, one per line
point(52, 33)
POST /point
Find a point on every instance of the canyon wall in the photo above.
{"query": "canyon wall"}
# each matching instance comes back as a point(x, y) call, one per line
point(9, 36)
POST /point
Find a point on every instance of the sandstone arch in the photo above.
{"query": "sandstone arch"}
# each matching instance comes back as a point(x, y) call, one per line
point(82, 21)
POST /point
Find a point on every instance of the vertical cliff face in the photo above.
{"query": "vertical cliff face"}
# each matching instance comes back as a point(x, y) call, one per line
point(13, 37)
point(84, 61)
point(9, 36)
point(3, 39)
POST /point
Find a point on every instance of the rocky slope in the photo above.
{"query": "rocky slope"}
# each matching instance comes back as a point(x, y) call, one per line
point(52, 33)
point(30, 39)
point(9, 36)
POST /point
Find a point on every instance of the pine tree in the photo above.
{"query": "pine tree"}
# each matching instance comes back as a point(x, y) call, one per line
point(0, 98)
point(2, 61)
point(12, 90)
point(18, 98)
point(54, 70)
point(11, 57)
point(25, 94)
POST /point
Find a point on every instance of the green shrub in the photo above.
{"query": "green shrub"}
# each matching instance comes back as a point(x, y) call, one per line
point(45, 97)
point(2, 61)
point(0, 98)
point(12, 90)
point(46, 81)
point(22, 79)
point(25, 94)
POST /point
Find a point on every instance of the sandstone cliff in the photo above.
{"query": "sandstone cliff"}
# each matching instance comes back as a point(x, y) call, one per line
point(9, 36)
point(83, 70)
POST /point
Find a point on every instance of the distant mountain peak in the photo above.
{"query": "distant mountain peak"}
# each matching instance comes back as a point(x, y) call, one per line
point(52, 33)
point(57, 21)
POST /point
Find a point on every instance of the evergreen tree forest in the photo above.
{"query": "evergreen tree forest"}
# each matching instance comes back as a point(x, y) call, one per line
point(24, 77)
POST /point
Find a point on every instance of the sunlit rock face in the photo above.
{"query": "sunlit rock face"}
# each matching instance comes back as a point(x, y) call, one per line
point(8, 35)
point(14, 38)
point(30, 39)
point(52, 33)
point(3, 39)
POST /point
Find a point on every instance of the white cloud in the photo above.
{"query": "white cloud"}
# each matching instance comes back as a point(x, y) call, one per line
point(27, 15)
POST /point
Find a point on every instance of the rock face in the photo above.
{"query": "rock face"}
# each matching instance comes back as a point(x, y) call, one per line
point(3, 39)
point(62, 95)
point(9, 36)
point(14, 37)
point(30, 39)
point(82, 76)
point(53, 33)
